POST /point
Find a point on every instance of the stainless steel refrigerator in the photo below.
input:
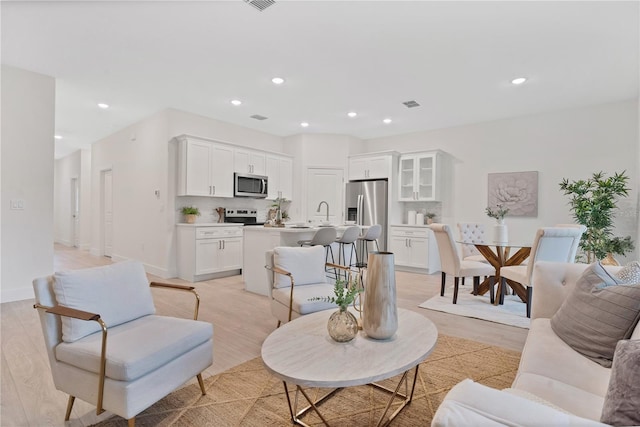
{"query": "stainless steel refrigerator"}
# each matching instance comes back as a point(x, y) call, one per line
point(366, 203)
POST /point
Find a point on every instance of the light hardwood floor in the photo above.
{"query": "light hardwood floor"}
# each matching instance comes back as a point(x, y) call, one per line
point(241, 320)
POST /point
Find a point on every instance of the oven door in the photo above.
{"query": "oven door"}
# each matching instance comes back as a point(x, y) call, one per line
point(250, 185)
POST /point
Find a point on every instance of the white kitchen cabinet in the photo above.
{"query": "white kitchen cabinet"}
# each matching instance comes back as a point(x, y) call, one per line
point(206, 252)
point(414, 247)
point(370, 166)
point(249, 161)
point(204, 168)
point(419, 177)
point(280, 174)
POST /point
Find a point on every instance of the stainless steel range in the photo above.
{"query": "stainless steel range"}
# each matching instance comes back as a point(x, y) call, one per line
point(242, 216)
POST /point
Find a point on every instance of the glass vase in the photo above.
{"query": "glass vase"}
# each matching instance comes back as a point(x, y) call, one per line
point(342, 326)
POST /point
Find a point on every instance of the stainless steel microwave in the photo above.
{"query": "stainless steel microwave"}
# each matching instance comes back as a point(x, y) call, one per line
point(247, 185)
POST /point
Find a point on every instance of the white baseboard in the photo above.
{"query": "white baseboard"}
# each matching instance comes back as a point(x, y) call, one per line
point(84, 246)
point(151, 269)
point(19, 294)
point(95, 252)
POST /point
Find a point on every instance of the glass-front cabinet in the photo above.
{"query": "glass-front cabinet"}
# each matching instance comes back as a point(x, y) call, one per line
point(419, 177)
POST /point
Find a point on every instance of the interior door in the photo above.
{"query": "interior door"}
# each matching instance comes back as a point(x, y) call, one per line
point(325, 185)
point(74, 237)
point(107, 215)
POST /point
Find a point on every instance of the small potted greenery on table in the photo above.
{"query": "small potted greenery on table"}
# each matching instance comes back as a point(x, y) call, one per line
point(190, 213)
point(342, 325)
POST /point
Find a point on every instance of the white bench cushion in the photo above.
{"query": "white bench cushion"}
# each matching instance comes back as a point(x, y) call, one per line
point(118, 292)
point(137, 347)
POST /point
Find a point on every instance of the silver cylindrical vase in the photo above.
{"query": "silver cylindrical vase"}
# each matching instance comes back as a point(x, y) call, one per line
point(380, 311)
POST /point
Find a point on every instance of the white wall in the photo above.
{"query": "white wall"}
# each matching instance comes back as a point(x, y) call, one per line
point(563, 144)
point(27, 107)
point(86, 218)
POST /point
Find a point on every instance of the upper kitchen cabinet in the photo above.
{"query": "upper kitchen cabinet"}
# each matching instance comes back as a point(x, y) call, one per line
point(419, 177)
point(204, 168)
point(249, 161)
point(280, 173)
point(368, 166)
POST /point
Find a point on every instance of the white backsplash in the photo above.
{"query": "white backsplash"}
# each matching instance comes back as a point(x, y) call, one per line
point(208, 206)
point(421, 207)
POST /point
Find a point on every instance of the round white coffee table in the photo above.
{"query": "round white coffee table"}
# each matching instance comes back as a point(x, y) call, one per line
point(302, 353)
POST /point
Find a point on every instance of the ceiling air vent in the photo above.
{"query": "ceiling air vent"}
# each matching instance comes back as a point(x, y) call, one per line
point(411, 104)
point(260, 4)
point(259, 117)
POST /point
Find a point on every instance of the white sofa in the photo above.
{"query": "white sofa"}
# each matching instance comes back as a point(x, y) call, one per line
point(554, 385)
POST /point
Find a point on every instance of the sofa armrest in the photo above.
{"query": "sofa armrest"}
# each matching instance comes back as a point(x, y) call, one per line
point(470, 403)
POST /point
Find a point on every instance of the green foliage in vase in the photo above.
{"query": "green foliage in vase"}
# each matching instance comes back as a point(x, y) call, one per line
point(498, 212)
point(593, 204)
point(190, 210)
point(345, 291)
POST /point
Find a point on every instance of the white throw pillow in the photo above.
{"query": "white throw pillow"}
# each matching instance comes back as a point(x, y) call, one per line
point(306, 264)
point(119, 293)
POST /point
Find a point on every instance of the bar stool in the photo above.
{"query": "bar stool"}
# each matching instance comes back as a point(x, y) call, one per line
point(371, 235)
point(325, 236)
point(349, 237)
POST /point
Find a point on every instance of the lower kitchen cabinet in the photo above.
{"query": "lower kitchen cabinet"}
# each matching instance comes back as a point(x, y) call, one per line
point(414, 249)
point(207, 252)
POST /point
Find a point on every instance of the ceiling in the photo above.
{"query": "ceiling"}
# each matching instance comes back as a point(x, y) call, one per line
point(456, 59)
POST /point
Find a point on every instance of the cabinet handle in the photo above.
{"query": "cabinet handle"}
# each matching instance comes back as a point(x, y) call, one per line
point(224, 244)
point(214, 189)
point(409, 242)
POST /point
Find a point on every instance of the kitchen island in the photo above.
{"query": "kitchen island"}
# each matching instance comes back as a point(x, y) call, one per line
point(258, 240)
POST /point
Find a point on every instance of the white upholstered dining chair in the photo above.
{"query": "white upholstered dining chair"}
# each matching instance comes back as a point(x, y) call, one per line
point(472, 232)
point(558, 244)
point(107, 346)
point(452, 264)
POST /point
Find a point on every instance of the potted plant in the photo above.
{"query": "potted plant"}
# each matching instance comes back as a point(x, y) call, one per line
point(342, 325)
point(279, 214)
point(430, 216)
point(500, 232)
point(190, 213)
point(593, 204)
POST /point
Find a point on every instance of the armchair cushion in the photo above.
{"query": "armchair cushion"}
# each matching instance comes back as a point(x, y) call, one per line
point(137, 347)
point(118, 292)
point(597, 314)
point(302, 297)
point(306, 264)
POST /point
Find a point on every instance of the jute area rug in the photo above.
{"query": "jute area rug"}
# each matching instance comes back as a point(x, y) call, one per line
point(248, 395)
point(513, 312)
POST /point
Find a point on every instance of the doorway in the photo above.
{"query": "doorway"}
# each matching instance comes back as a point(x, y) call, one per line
point(107, 212)
point(74, 228)
point(326, 185)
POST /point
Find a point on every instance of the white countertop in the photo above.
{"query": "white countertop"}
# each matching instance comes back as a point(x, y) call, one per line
point(409, 225)
point(293, 229)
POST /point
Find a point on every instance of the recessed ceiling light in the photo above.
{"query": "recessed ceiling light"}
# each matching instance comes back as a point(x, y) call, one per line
point(352, 114)
point(277, 80)
point(519, 80)
point(57, 136)
point(236, 102)
point(387, 121)
point(304, 124)
point(103, 106)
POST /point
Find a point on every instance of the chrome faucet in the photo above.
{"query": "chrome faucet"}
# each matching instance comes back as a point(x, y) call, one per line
point(320, 205)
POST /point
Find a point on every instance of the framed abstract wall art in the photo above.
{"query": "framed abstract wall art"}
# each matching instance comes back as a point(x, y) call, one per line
point(517, 191)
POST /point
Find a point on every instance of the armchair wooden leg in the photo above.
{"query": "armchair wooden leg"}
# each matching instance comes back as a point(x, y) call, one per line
point(476, 283)
point(444, 278)
point(503, 290)
point(201, 383)
point(131, 422)
point(279, 323)
point(69, 407)
point(463, 281)
point(455, 289)
point(529, 295)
